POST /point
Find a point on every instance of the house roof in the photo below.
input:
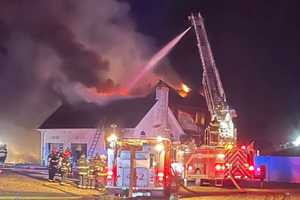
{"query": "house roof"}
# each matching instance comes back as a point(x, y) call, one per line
point(125, 112)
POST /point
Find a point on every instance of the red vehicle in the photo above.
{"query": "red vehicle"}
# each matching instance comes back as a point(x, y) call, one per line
point(147, 174)
point(213, 165)
point(219, 158)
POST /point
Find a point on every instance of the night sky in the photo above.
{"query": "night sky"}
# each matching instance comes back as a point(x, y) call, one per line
point(256, 47)
point(54, 51)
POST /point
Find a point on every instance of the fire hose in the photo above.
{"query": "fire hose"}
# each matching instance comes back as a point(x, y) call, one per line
point(235, 183)
point(286, 195)
point(178, 182)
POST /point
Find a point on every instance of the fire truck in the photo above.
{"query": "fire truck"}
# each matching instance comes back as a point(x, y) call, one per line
point(219, 157)
point(142, 167)
point(215, 164)
point(139, 167)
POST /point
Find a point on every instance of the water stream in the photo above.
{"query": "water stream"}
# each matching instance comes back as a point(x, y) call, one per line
point(154, 60)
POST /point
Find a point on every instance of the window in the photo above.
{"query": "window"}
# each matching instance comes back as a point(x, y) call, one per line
point(77, 149)
point(141, 156)
point(125, 155)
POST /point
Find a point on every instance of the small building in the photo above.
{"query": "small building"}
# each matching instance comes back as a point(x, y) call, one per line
point(281, 166)
point(163, 112)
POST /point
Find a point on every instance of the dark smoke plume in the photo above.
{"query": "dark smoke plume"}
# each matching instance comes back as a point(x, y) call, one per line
point(62, 49)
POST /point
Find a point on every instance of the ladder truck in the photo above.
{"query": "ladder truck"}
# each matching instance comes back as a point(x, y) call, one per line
point(219, 157)
point(221, 114)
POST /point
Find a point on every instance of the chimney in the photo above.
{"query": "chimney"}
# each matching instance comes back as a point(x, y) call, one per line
point(162, 97)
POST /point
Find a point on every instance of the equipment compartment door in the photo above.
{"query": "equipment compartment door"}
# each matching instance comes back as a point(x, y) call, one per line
point(142, 177)
point(126, 177)
point(123, 177)
point(123, 169)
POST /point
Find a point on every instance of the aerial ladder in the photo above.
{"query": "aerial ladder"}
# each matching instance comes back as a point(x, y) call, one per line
point(219, 158)
point(221, 129)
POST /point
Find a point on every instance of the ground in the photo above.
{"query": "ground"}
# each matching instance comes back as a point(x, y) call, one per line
point(25, 184)
point(212, 193)
point(20, 183)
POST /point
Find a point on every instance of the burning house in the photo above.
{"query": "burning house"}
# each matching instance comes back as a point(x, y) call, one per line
point(163, 112)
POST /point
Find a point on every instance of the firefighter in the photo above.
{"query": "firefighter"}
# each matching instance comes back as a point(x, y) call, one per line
point(83, 168)
point(91, 174)
point(64, 165)
point(100, 171)
point(53, 161)
point(71, 159)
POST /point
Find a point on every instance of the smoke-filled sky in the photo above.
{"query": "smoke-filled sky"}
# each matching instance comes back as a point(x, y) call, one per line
point(71, 50)
point(63, 50)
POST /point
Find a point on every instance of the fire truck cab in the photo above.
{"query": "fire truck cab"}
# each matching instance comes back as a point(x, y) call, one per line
point(205, 165)
point(147, 174)
point(214, 165)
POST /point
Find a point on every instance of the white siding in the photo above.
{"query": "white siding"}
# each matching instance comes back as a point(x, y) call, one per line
point(68, 137)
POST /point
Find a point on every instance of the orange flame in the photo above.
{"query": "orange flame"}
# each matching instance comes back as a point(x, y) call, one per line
point(183, 90)
point(117, 92)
